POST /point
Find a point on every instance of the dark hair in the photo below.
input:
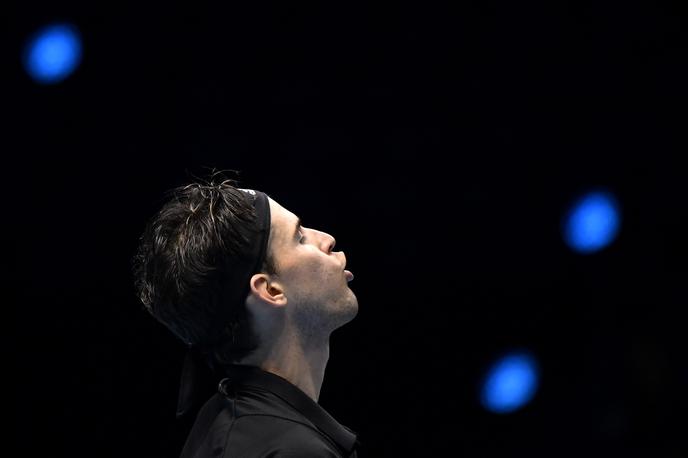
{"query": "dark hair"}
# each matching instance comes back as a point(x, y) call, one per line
point(184, 257)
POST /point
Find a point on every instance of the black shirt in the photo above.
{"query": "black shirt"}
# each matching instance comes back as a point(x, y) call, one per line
point(260, 414)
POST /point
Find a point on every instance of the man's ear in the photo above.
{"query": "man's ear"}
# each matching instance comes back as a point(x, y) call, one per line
point(267, 290)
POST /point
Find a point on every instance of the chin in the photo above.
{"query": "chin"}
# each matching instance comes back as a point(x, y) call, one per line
point(353, 307)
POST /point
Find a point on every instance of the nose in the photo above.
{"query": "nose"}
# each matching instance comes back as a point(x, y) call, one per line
point(330, 243)
point(327, 242)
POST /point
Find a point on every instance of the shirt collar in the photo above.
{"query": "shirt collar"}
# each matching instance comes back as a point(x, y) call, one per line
point(254, 376)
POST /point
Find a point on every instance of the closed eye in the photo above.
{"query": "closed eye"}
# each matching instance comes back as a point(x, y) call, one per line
point(298, 231)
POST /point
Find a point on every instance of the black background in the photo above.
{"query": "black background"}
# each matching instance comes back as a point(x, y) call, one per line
point(439, 144)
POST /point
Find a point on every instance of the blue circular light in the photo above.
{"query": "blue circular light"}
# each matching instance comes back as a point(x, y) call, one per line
point(510, 383)
point(592, 223)
point(52, 53)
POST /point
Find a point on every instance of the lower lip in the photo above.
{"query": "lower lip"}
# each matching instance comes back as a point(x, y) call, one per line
point(349, 275)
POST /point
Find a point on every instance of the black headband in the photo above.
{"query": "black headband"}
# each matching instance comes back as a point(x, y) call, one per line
point(195, 365)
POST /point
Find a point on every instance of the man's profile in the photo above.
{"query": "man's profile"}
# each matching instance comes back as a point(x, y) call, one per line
point(255, 295)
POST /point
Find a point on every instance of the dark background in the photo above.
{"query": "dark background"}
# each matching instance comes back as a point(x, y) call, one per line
point(440, 145)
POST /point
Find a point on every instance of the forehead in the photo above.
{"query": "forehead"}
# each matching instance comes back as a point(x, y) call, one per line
point(282, 222)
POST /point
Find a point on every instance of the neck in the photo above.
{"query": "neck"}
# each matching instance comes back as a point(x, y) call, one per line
point(301, 363)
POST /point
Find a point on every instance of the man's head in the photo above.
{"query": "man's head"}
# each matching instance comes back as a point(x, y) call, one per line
point(189, 255)
point(308, 292)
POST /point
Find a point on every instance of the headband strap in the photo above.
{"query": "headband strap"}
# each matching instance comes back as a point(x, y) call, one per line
point(196, 372)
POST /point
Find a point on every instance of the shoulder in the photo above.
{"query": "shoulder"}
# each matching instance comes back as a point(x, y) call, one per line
point(278, 437)
point(256, 425)
point(308, 447)
point(303, 451)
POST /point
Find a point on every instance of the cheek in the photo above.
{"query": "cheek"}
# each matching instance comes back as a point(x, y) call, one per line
point(300, 270)
point(309, 267)
point(316, 271)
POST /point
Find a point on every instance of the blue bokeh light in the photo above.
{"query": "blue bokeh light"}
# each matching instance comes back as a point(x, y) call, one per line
point(592, 222)
point(52, 53)
point(510, 383)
